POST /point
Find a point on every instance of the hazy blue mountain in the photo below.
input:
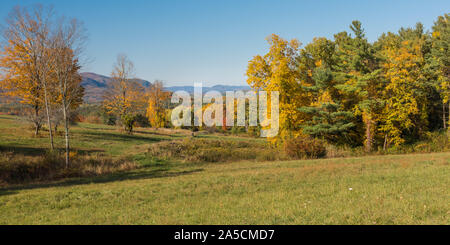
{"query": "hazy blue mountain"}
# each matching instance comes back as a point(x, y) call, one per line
point(220, 88)
point(95, 85)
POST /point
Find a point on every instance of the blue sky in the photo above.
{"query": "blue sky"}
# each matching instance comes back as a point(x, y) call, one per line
point(186, 41)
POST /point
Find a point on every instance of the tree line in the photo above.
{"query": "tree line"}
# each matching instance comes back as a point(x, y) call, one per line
point(351, 91)
point(346, 91)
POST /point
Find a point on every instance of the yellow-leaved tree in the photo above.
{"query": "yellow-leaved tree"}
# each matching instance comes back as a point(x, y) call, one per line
point(406, 103)
point(277, 71)
point(156, 110)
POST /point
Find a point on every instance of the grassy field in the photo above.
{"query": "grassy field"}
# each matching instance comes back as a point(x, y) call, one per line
point(394, 189)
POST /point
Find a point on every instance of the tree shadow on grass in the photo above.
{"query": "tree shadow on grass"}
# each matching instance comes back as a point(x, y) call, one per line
point(142, 173)
point(160, 134)
point(119, 137)
point(5, 192)
point(6, 117)
point(27, 151)
point(40, 151)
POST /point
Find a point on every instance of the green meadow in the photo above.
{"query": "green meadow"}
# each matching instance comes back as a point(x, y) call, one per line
point(384, 189)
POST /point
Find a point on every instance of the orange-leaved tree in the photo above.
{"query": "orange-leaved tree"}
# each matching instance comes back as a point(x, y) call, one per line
point(17, 81)
point(25, 59)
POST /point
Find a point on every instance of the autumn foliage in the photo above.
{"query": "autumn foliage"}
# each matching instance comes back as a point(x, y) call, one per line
point(40, 66)
point(349, 91)
point(156, 110)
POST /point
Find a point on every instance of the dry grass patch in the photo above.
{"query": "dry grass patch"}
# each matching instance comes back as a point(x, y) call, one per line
point(18, 169)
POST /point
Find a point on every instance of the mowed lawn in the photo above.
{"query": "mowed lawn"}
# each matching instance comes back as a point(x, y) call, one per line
point(395, 189)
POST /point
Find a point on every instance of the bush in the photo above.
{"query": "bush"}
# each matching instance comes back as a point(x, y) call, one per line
point(142, 121)
point(94, 111)
point(238, 130)
point(432, 142)
point(93, 119)
point(303, 147)
point(214, 129)
point(109, 119)
point(208, 150)
point(128, 122)
point(254, 131)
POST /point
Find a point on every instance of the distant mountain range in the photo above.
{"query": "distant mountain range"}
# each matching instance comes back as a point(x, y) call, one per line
point(95, 85)
point(220, 88)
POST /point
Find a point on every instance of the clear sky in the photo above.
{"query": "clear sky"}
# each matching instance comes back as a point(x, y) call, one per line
point(186, 41)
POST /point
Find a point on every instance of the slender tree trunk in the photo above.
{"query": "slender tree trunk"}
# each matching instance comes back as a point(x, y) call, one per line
point(37, 123)
point(369, 133)
point(49, 122)
point(385, 142)
point(369, 136)
point(444, 120)
point(66, 129)
point(37, 128)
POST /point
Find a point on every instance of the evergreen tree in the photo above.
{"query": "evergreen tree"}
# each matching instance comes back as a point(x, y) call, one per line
point(327, 119)
point(359, 74)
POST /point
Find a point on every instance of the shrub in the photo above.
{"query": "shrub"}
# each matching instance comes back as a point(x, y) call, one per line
point(212, 130)
point(93, 119)
point(142, 121)
point(238, 130)
point(109, 119)
point(128, 122)
point(208, 150)
point(254, 131)
point(432, 142)
point(303, 147)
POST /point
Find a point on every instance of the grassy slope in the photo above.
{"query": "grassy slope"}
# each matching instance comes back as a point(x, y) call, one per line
point(398, 189)
point(86, 138)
